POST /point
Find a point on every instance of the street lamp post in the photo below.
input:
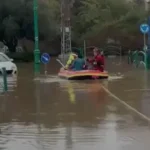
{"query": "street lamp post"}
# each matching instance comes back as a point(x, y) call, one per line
point(147, 3)
point(36, 39)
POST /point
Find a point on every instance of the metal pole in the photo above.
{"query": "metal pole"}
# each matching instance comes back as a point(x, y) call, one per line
point(144, 41)
point(62, 33)
point(66, 28)
point(38, 113)
point(147, 5)
point(45, 69)
point(63, 50)
point(84, 50)
point(120, 55)
point(5, 87)
point(36, 38)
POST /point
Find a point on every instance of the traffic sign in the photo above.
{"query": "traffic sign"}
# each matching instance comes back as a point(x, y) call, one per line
point(144, 28)
point(45, 58)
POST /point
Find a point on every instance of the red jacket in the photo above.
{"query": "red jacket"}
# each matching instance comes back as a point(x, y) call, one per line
point(98, 62)
point(102, 59)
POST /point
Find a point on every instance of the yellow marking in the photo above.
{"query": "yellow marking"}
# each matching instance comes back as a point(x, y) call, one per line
point(125, 104)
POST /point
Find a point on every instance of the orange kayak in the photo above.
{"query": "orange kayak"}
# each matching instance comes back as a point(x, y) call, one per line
point(82, 75)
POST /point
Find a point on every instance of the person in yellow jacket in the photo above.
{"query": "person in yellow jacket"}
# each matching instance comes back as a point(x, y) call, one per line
point(71, 59)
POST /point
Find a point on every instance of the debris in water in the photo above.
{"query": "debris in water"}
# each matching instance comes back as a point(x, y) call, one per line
point(115, 77)
point(50, 79)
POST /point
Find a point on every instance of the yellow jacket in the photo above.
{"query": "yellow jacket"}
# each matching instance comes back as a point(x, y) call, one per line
point(70, 60)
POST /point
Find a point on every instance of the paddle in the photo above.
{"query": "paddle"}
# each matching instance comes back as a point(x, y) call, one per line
point(60, 63)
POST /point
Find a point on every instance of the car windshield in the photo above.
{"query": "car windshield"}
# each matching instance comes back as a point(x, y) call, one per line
point(3, 58)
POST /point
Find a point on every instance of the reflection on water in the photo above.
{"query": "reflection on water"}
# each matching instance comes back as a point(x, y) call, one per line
point(145, 104)
point(12, 83)
point(56, 114)
point(71, 93)
point(115, 77)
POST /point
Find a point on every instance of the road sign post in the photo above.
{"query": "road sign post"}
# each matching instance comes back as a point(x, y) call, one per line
point(45, 58)
point(5, 86)
point(144, 28)
point(36, 39)
point(144, 41)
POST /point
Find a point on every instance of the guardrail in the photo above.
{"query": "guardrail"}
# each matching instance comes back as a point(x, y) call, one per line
point(134, 57)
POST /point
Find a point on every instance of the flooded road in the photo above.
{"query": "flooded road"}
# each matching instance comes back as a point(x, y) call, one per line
point(49, 113)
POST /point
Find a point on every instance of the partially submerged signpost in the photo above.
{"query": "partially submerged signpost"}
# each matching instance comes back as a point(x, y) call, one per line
point(45, 58)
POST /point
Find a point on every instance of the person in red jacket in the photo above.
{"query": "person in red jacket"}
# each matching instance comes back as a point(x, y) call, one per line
point(103, 59)
point(98, 60)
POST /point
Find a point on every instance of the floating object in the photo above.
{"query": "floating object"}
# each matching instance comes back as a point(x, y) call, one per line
point(82, 75)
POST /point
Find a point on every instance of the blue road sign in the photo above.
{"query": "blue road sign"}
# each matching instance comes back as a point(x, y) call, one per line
point(45, 58)
point(144, 28)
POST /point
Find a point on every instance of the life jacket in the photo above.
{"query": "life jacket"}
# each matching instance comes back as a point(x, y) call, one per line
point(70, 60)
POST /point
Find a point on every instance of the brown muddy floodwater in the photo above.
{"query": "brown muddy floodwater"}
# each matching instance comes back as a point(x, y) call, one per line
point(49, 113)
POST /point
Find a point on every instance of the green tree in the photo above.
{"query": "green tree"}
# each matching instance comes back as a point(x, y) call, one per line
point(100, 19)
point(16, 17)
point(49, 19)
point(91, 20)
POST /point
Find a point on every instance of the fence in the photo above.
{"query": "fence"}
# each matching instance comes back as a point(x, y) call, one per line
point(139, 57)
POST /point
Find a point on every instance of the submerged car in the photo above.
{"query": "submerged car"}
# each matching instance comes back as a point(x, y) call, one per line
point(6, 62)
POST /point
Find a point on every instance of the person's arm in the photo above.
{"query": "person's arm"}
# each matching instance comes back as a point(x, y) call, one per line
point(99, 60)
point(73, 64)
point(84, 64)
point(69, 61)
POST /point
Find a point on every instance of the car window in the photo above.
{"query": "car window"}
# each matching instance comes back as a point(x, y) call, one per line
point(3, 58)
